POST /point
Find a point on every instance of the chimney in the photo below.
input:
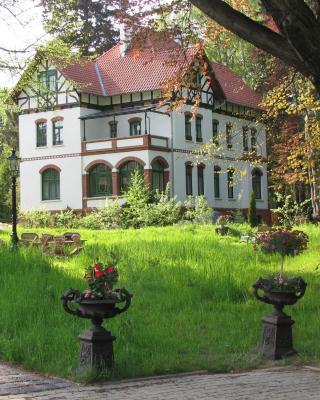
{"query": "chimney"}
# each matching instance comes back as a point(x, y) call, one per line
point(125, 37)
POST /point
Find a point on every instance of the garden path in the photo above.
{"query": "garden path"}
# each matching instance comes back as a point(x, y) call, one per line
point(272, 384)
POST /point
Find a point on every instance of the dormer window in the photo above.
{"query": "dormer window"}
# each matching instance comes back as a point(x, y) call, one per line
point(48, 80)
point(135, 126)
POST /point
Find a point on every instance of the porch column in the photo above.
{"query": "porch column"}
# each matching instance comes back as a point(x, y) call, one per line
point(115, 182)
point(148, 177)
point(85, 190)
point(166, 178)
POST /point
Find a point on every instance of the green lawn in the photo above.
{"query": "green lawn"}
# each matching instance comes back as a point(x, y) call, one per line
point(192, 307)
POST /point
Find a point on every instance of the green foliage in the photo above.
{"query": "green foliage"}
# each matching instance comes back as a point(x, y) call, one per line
point(289, 212)
point(65, 219)
point(86, 25)
point(36, 219)
point(197, 210)
point(163, 211)
point(5, 186)
point(237, 217)
point(137, 198)
point(252, 211)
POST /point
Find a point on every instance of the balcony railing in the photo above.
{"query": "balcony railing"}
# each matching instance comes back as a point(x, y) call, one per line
point(117, 144)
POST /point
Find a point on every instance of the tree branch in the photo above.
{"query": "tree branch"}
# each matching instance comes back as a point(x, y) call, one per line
point(251, 31)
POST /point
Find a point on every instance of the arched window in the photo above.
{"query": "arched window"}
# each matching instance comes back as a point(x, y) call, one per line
point(200, 171)
point(216, 177)
point(50, 184)
point(188, 179)
point(199, 128)
point(245, 138)
point(229, 135)
point(125, 174)
point(256, 183)
point(230, 176)
point(158, 176)
point(100, 181)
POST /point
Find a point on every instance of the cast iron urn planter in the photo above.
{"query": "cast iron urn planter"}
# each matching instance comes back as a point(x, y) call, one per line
point(96, 343)
point(277, 326)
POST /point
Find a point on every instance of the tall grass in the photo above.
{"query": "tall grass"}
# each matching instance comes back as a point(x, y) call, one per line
point(192, 307)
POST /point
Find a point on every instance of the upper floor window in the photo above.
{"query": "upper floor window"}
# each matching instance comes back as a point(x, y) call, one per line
point(256, 183)
point(41, 133)
point(245, 138)
point(200, 180)
point(253, 139)
point(50, 184)
point(135, 127)
point(230, 176)
point(189, 180)
point(57, 132)
point(216, 177)
point(187, 126)
point(100, 181)
point(48, 80)
point(113, 129)
point(229, 135)
point(199, 128)
point(158, 176)
point(215, 131)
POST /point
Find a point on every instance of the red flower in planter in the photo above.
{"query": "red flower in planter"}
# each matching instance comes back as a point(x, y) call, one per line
point(110, 269)
point(98, 274)
point(101, 278)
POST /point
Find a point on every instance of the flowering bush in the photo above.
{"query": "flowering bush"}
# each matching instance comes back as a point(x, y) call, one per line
point(286, 242)
point(101, 278)
point(283, 241)
point(223, 220)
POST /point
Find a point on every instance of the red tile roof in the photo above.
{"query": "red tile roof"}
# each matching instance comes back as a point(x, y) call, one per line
point(112, 74)
point(234, 89)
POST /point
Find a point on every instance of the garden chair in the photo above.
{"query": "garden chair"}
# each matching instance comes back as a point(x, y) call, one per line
point(68, 235)
point(46, 240)
point(29, 239)
point(76, 238)
point(59, 246)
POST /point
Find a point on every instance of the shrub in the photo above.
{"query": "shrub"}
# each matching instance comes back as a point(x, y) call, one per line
point(37, 219)
point(197, 210)
point(290, 212)
point(65, 219)
point(137, 198)
point(163, 211)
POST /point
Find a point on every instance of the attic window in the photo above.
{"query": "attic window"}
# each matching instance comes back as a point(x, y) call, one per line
point(48, 80)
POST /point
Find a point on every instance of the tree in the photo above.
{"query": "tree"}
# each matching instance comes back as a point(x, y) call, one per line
point(86, 25)
point(297, 40)
point(252, 211)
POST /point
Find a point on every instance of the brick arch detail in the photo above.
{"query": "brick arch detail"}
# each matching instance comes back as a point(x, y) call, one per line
point(57, 118)
point(189, 164)
point(201, 165)
point(40, 120)
point(49, 166)
point(126, 159)
point(162, 160)
point(134, 119)
point(95, 162)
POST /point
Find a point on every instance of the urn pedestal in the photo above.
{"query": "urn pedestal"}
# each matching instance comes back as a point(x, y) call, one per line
point(277, 340)
point(96, 343)
point(277, 336)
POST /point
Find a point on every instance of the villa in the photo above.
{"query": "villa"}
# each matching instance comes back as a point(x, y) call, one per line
point(84, 127)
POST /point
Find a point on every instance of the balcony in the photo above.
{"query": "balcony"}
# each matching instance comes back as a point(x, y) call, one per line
point(143, 142)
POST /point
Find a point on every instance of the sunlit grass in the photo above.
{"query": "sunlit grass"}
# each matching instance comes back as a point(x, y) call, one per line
point(192, 307)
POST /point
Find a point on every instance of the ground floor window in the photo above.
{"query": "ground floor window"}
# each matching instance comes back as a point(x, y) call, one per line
point(216, 177)
point(158, 176)
point(230, 183)
point(256, 183)
point(200, 180)
point(125, 173)
point(50, 184)
point(100, 181)
point(189, 180)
